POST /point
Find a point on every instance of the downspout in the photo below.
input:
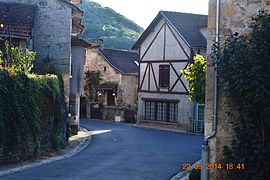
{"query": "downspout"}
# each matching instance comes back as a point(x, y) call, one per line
point(205, 146)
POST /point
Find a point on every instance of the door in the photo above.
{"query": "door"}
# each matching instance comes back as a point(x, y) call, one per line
point(110, 98)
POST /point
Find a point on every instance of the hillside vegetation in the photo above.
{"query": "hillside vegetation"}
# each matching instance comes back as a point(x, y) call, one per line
point(104, 23)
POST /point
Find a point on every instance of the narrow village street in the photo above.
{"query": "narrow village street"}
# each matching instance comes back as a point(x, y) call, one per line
point(119, 151)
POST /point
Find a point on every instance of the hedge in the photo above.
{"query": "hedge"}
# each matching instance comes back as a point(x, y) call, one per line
point(32, 115)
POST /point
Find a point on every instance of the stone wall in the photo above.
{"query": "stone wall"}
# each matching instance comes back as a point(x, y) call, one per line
point(235, 17)
point(52, 36)
point(95, 62)
point(129, 89)
point(127, 84)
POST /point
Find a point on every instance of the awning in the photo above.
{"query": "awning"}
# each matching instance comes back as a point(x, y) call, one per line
point(107, 86)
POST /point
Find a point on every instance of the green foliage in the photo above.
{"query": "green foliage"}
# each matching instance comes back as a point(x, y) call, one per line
point(104, 23)
point(196, 74)
point(22, 59)
point(17, 58)
point(244, 68)
point(26, 100)
point(92, 79)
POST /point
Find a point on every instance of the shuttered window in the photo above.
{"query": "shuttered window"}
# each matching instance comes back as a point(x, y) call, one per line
point(164, 76)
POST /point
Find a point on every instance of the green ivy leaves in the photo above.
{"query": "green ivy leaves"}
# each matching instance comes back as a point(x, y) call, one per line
point(244, 70)
point(27, 103)
point(196, 75)
point(20, 58)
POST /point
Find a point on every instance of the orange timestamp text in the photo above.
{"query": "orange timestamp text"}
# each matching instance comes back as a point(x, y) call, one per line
point(215, 166)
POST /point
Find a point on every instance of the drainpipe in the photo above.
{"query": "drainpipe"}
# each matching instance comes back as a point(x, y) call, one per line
point(205, 146)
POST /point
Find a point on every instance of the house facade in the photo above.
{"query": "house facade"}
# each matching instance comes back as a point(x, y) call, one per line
point(47, 28)
point(119, 76)
point(165, 47)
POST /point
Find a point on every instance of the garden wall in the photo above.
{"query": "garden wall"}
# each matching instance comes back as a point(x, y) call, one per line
point(32, 115)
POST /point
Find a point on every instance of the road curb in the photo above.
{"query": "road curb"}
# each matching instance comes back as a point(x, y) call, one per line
point(83, 143)
point(184, 174)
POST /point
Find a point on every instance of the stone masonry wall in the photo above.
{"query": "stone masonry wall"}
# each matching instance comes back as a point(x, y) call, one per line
point(235, 17)
point(52, 36)
point(127, 84)
point(94, 62)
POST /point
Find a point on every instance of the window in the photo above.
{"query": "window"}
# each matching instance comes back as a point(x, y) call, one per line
point(164, 76)
point(161, 111)
point(105, 69)
point(200, 112)
point(150, 110)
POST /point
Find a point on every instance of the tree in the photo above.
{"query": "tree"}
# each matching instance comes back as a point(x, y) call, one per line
point(196, 75)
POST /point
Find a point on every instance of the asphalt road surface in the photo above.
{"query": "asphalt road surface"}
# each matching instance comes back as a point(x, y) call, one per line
point(122, 152)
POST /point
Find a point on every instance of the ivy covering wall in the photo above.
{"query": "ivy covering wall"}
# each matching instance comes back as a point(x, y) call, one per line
point(244, 71)
point(32, 115)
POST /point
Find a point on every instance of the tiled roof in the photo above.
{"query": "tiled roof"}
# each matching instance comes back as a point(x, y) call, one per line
point(18, 17)
point(186, 25)
point(78, 41)
point(121, 60)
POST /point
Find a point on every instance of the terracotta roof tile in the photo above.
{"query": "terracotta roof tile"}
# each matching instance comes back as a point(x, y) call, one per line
point(18, 17)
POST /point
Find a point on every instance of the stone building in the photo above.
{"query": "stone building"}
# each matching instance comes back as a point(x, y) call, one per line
point(78, 57)
point(165, 47)
point(235, 16)
point(45, 27)
point(119, 74)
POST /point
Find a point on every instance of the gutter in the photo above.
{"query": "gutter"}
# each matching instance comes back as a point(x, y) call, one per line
point(205, 146)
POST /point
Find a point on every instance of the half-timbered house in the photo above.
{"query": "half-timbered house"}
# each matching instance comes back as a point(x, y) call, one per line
point(165, 47)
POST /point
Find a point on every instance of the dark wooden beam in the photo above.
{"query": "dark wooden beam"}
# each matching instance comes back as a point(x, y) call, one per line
point(164, 92)
point(178, 42)
point(154, 76)
point(152, 41)
point(143, 76)
point(166, 61)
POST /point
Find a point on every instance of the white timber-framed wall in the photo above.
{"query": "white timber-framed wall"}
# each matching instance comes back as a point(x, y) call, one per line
point(165, 46)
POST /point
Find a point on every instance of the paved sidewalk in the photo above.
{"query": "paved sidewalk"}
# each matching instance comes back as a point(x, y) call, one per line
point(76, 144)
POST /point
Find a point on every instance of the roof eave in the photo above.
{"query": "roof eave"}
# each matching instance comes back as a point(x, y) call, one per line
point(148, 30)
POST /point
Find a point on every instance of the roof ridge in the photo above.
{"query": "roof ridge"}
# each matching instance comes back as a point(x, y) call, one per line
point(183, 13)
point(123, 50)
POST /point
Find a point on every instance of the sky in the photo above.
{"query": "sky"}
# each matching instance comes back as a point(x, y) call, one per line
point(144, 11)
